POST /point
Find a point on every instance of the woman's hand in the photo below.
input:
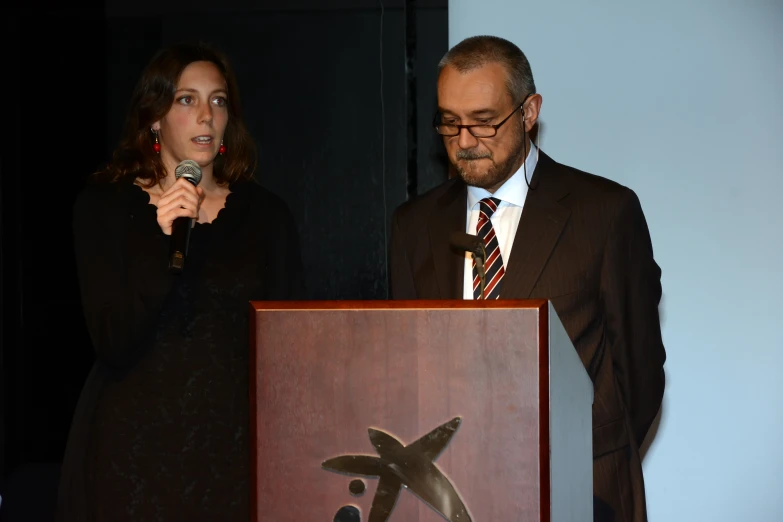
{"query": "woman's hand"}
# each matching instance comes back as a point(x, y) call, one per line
point(182, 199)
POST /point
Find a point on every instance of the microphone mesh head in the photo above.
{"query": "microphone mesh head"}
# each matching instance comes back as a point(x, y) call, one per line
point(190, 170)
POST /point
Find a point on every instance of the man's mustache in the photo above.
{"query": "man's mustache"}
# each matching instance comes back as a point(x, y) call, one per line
point(473, 155)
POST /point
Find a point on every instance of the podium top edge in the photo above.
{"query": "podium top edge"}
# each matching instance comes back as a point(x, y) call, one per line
point(419, 304)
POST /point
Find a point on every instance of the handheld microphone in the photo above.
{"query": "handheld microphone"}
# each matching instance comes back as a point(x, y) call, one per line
point(476, 247)
point(180, 229)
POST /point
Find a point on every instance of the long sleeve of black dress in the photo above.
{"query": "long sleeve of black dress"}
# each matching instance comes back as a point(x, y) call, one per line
point(123, 277)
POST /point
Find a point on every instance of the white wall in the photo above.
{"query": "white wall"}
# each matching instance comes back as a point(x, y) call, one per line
point(683, 102)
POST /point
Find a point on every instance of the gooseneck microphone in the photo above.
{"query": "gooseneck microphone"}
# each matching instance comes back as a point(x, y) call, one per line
point(474, 245)
point(180, 229)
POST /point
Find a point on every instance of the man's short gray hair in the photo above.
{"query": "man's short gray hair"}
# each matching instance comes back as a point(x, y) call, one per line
point(478, 51)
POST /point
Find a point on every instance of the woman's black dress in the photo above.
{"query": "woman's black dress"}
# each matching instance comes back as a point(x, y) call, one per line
point(161, 430)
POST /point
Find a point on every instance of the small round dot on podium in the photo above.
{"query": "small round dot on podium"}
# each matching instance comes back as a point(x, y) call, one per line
point(356, 487)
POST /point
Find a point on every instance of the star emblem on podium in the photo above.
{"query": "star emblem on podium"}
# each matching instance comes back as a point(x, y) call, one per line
point(411, 467)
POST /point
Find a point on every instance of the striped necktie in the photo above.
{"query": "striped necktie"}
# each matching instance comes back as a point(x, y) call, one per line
point(493, 266)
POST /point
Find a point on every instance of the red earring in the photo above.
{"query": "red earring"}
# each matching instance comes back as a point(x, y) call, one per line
point(156, 145)
point(222, 149)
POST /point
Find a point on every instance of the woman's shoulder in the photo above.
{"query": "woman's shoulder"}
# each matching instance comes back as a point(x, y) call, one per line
point(99, 197)
point(260, 198)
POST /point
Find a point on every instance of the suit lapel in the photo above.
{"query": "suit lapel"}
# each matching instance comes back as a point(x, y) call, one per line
point(540, 226)
point(448, 216)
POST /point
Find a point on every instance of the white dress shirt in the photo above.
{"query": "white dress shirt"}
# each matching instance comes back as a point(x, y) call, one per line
point(505, 220)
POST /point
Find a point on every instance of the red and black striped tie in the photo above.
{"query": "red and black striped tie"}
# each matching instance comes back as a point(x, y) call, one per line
point(493, 266)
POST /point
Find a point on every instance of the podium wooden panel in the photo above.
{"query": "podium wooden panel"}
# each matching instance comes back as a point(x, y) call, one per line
point(324, 372)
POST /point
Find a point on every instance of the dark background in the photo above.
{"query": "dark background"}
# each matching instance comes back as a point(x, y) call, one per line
point(339, 96)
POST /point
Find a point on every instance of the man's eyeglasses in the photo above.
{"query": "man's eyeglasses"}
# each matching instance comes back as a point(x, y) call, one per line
point(479, 130)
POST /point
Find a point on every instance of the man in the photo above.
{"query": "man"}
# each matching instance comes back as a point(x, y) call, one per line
point(551, 232)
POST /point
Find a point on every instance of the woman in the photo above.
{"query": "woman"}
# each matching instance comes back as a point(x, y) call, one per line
point(161, 430)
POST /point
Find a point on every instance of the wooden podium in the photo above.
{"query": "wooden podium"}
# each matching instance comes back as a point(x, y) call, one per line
point(465, 410)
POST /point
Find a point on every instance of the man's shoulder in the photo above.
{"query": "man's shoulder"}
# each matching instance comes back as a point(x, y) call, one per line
point(423, 204)
point(586, 185)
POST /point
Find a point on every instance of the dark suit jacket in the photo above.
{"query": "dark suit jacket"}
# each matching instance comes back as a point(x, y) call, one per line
point(583, 243)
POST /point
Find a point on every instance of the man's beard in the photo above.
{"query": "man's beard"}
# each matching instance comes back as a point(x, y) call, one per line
point(497, 173)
